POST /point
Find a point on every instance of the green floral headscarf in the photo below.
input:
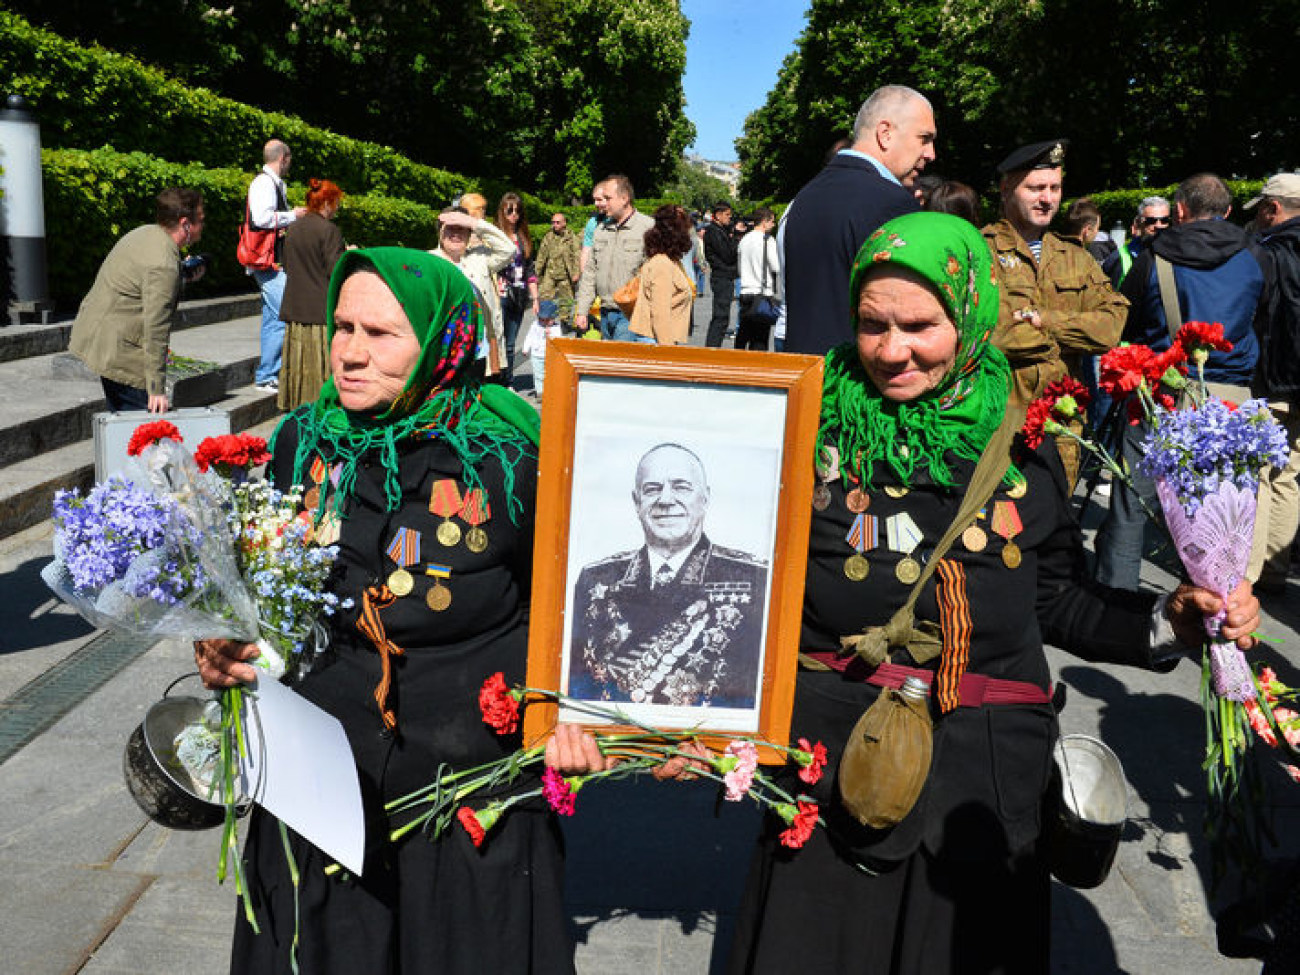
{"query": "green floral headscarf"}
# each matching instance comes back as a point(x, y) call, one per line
point(960, 414)
point(440, 399)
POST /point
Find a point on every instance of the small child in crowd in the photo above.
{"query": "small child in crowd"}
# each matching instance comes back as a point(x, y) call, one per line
point(544, 329)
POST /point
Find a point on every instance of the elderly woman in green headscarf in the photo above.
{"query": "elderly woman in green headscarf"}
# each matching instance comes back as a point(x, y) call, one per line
point(942, 549)
point(426, 481)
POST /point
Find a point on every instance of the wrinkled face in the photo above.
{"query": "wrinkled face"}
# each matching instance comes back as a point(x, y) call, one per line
point(1154, 219)
point(1031, 200)
point(906, 340)
point(454, 241)
point(671, 498)
point(374, 348)
point(907, 143)
point(559, 223)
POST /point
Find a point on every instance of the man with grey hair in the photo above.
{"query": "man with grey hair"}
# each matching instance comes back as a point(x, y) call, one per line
point(1152, 217)
point(679, 620)
point(859, 189)
point(268, 209)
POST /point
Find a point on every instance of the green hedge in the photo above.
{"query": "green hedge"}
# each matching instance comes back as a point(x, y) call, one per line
point(93, 197)
point(1121, 205)
point(87, 97)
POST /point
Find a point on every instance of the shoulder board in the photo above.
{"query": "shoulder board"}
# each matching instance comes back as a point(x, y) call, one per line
point(611, 559)
point(736, 555)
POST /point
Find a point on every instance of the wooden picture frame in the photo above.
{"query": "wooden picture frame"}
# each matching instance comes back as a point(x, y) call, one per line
point(625, 427)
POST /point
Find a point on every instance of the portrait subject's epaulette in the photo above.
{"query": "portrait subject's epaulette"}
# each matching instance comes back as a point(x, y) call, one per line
point(736, 555)
point(611, 559)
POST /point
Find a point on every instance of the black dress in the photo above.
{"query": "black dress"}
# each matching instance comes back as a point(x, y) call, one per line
point(960, 884)
point(440, 907)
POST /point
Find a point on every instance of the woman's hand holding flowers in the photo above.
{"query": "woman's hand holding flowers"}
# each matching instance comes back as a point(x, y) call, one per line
point(221, 663)
point(1189, 605)
point(573, 751)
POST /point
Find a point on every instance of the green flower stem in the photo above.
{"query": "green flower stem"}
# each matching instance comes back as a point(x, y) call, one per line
point(1109, 462)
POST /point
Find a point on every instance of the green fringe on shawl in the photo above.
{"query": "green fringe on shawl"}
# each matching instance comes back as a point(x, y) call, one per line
point(868, 430)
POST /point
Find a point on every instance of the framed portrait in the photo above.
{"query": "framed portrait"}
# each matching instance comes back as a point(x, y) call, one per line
point(673, 511)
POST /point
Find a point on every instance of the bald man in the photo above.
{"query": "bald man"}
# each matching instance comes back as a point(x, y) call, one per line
point(679, 620)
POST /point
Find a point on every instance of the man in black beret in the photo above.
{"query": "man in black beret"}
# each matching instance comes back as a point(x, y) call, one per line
point(1056, 304)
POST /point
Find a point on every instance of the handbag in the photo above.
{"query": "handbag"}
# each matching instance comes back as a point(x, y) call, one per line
point(767, 309)
point(256, 248)
point(626, 296)
point(887, 758)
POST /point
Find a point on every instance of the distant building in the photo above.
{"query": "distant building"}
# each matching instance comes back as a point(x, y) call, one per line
point(728, 172)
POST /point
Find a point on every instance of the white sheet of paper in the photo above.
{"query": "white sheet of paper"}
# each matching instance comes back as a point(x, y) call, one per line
point(300, 768)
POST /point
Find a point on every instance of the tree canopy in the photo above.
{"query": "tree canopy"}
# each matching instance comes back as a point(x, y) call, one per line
point(550, 94)
point(1147, 91)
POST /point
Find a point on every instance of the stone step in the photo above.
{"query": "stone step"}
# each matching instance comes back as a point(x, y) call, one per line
point(27, 487)
point(48, 402)
point(27, 341)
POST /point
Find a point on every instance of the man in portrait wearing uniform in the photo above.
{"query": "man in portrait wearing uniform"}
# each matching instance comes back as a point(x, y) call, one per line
point(1056, 304)
point(679, 620)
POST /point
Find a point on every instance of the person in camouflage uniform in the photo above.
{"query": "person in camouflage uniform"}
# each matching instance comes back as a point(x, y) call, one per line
point(558, 267)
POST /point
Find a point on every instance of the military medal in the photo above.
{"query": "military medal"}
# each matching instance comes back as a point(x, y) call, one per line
point(404, 549)
point(828, 464)
point(1006, 524)
point(863, 535)
point(311, 500)
point(903, 535)
point(857, 501)
point(327, 532)
point(975, 538)
point(439, 596)
point(821, 497)
point(445, 502)
point(476, 511)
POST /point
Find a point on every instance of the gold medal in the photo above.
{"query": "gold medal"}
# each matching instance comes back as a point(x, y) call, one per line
point(1017, 490)
point(857, 501)
point(439, 597)
point(896, 491)
point(476, 540)
point(975, 539)
point(311, 500)
point(1011, 555)
point(821, 497)
point(400, 582)
point(856, 567)
point(449, 533)
point(908, 570)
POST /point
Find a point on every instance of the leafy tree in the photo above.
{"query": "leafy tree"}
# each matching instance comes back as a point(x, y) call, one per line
point(694, 188)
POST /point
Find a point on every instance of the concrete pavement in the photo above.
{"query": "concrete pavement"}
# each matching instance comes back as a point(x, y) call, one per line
point(654, 869)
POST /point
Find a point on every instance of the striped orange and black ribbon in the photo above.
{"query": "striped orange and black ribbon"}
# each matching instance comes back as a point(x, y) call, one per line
point(373, 599)
point(955, 622)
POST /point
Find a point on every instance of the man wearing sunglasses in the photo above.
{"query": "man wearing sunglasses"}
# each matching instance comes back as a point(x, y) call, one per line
point(1152, 217)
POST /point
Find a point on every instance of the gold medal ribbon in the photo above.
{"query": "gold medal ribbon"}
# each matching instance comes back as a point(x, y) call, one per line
point(373, 599)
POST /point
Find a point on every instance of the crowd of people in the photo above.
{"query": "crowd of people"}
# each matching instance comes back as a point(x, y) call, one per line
point(936, 333)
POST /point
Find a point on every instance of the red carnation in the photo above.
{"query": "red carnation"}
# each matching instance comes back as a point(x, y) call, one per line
point(801, 826)
point(812, 772)
point(499, 704)
point(1199, 339)
point(148, 434)
point(1040, 411)
point(1067, 387)
point(1123, 368)
point(472, 826)
point(231, 451)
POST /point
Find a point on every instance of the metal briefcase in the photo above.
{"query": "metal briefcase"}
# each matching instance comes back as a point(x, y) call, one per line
point(113, 432)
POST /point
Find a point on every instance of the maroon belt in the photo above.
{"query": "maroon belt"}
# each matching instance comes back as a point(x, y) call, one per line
point(974, 690)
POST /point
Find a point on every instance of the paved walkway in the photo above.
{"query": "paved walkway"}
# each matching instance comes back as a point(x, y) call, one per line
point(654, 869)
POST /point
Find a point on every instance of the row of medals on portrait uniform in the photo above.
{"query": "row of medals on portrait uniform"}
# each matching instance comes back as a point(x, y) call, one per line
point(901, 532)
point(448, 502)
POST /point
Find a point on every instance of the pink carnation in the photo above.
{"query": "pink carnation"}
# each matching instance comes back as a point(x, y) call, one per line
point(558, 793)
point(740, 776)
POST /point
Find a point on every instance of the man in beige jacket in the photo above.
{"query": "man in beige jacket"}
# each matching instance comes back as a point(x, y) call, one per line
point(616, 257)
point(124, 323)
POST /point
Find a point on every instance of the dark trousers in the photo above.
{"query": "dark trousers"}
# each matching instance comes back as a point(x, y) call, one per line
point(123, 398)
point(724, 290)
point(751, 333)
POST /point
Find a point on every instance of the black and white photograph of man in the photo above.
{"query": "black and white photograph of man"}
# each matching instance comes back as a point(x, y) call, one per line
point(678, 620)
